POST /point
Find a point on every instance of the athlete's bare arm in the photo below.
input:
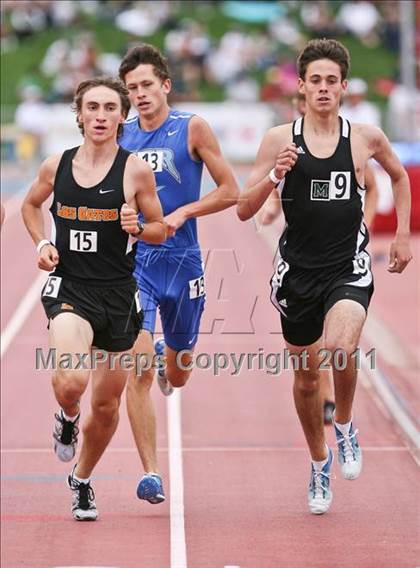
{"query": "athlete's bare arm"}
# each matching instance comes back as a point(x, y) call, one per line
point(276, 151)
point(32, 215)
point(203, 146)
point(400, 254)
point(371, 198)
point(140, 194)
point(271, 209)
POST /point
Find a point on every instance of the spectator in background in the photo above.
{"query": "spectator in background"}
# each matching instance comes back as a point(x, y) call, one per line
point(404, 113)
point(390, 29)
point(360, 19)
point(32, 120)
point(317, 17)
point(68, 62)
point(356, 108)
point(243, 89)
point(186, 46)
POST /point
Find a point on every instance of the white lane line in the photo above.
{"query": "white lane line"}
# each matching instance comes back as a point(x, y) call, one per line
point(22, 312)
point(390, 346)
point(209, 449)
point(178, 546)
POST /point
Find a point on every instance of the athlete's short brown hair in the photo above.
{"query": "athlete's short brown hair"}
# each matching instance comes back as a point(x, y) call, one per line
point(145, 54)
point(104, 81)
point(324, 49)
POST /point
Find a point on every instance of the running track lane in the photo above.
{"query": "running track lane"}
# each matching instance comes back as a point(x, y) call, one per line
point(245, 463)
point(245, 485)
point(38, 529)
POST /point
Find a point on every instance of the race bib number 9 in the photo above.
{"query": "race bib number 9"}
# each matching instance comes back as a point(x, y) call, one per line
point(197, 288)
point(154, 158)
point(340, 185)
point(83, 241)
point(336, 188)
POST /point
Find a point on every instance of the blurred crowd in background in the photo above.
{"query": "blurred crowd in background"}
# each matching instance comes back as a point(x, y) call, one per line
point(252, 60)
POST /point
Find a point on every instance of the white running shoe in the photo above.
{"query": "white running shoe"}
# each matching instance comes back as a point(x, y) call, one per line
point(319, 492)
point(65, 437)
point(84, 506)
point(349, 453)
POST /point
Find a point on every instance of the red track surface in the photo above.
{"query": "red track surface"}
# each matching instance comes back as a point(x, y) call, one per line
point(245, 463)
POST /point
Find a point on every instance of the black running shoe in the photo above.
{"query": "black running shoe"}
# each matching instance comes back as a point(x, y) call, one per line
point(84, 506)
point(65, 437)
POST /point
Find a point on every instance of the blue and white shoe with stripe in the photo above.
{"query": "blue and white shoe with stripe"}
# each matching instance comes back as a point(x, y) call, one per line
point(319, 492)
point(349, 453)
point(150, 488)
point(165, 386)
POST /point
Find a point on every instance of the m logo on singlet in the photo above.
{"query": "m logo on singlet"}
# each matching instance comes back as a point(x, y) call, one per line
point(333, 189)
point(160, 159)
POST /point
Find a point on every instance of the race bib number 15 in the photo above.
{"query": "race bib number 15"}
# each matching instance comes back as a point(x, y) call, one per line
point(52, 287)
point(83, 241)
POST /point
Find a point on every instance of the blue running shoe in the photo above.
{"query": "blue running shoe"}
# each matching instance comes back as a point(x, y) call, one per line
point(164, 385)
point(150, 488)
point(349, 453)
point(319, 492)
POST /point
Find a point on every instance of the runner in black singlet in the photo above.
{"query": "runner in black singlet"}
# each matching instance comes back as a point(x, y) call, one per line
point(90, 296)
point(323, 282)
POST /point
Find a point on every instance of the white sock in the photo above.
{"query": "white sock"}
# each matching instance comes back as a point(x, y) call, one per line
point(80, 479)
point(69, 418)
point(318, 465)
point(343, 428)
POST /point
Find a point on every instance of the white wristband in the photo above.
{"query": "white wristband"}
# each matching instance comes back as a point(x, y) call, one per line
point(42, 244)
point(273, 177)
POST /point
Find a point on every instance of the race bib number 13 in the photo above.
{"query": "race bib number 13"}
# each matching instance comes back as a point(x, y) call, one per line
point(154, 158)
point(197, 287)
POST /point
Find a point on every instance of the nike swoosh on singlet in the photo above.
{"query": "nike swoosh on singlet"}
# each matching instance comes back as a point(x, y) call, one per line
point(159, 187)
point(171, 133)
point(102, 191)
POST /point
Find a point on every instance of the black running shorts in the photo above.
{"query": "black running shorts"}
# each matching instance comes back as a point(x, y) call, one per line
point(303, 297)
point(114, 313)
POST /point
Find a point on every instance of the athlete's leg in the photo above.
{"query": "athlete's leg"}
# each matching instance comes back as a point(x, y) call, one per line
point(308, 400)
point(70, 334)
point(326, 384)
point(181, 312)
point(140, 407)
point(178, 366)
point(100, 425)
point(343, 326)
